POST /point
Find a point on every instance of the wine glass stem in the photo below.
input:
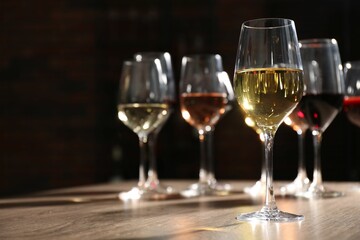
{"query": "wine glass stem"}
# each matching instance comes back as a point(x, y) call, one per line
point(301, 168)
point(203, 157)
point(263, 167)
point(152, 175)
point(152, 172)
point(270, 203)
point(144, 150)
point(210, 157)
point(317, 177)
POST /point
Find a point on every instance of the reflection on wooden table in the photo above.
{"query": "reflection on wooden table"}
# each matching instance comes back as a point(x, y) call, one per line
point(94, 212)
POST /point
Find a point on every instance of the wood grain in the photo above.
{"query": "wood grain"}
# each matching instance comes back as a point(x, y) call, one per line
point(94, 212)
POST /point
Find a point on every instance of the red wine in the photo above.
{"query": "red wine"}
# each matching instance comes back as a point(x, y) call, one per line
point(352, 109)
point(202, 109)
point(318, 111)
point(297, 119)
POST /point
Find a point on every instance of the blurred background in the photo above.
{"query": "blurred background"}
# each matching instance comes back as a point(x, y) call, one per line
point(60, 63)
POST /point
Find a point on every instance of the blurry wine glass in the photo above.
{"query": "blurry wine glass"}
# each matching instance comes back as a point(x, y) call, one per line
point(152, 180)
point(216, 187)
point(268, 86)
point(322, 100)
point(352, 92)
point(142, 106)
point(296, 120)
point(204, 96)
point(352, 98)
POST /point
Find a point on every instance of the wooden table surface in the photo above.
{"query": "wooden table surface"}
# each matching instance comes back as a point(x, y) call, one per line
point(94, 212)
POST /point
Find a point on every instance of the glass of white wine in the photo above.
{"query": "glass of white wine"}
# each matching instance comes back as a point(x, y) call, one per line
point(142, 106)
point(268, 85)
point(205, 96)
point(152, 181)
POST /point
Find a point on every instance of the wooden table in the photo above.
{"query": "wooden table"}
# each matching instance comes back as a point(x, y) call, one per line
point(94, 212)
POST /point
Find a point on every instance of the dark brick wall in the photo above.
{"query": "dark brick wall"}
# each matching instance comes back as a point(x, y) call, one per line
point(59, 66)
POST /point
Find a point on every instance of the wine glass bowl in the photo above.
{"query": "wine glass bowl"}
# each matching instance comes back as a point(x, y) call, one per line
point(268, 85)
point(205, 95)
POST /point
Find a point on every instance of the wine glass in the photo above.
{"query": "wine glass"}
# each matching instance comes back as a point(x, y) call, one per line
point(152, 181)
point(204, 96)
point(214, 186)
point(352, 92)
point(143, 106)
point(268, 86)
point(296, 120)
point(322, 101)
point(352, 97)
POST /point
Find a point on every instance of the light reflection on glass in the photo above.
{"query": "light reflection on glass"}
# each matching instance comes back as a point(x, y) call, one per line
point(185, 114)
point(122, 116)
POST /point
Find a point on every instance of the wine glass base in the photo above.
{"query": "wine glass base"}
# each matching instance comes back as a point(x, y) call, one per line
point(157, 187)
point(256, 190)
point(270, 215)
point(137, 193)
point(319, 194)
point(221, 187)
point(207, 189)
point(297, 186)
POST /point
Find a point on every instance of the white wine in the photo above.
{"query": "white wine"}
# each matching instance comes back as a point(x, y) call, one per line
point(268, 95)
point(143, 118)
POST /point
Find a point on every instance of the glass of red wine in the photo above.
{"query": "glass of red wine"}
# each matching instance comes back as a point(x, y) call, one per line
point(322, 101)
point(205, 96)
point(352, 97)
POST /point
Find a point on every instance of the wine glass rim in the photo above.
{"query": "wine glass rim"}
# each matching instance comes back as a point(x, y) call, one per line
point(259, 23)
point(130, 62)
point(317, 42)
point(203, 56)
point(352, 64)
point(151, 53)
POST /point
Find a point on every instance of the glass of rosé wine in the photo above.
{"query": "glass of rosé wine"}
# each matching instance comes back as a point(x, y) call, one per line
point(205, 96)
